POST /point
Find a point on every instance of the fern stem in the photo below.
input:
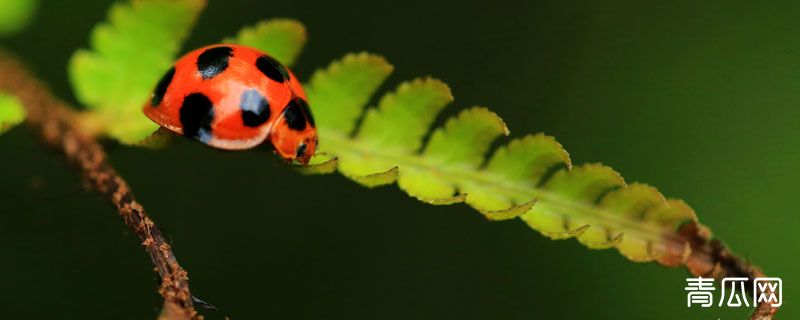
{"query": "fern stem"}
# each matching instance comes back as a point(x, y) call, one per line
point(58, 126)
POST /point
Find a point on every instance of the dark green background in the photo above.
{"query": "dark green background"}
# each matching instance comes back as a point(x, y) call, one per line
point(698, 99)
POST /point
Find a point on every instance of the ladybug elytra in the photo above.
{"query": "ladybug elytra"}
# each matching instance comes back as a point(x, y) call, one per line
point(235, 97)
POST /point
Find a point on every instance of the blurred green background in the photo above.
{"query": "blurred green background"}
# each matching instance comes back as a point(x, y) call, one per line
point(699, 99)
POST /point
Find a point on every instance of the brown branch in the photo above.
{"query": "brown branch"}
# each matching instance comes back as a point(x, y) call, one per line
point(712, 259)
point(57, 125)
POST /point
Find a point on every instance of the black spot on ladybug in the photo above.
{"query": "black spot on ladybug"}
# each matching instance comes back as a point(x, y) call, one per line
point(255, 108)
point(161, 87)
point(304, 105)
point(294, 117)
point(196, 114)
point(213, 61)
point(272, 68)
point(301, 149)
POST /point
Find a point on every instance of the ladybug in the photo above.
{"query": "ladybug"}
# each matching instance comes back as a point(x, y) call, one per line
point(235, 97)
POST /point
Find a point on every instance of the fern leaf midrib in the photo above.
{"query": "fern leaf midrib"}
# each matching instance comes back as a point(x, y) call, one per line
point(519, 192)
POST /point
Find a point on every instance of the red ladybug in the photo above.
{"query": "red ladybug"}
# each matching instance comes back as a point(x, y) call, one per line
point(235, 97)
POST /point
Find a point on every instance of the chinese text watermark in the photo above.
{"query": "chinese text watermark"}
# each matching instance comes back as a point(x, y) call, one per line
point(734, 292)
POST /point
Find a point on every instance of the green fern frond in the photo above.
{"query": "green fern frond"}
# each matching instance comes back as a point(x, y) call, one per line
point(531, 177)
point(589, 202)
point(11, 112)
point(283, 39)
point(129, 53)
point(15, 15)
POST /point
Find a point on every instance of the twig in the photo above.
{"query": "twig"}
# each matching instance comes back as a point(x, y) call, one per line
point(57, 125)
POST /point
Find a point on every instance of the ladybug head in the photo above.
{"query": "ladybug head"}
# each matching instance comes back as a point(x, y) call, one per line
point(294, 134)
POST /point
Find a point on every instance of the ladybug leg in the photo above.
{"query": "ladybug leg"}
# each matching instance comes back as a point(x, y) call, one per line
point(158, 139)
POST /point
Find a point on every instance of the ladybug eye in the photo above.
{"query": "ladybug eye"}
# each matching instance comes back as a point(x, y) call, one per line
point(301, 149)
